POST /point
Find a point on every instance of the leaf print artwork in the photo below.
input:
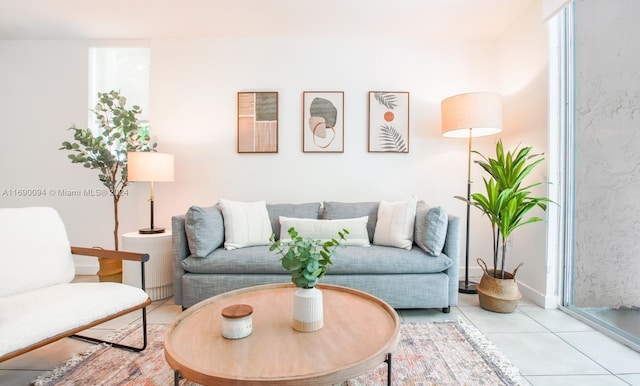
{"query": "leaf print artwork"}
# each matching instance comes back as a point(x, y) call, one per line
point(388, 122)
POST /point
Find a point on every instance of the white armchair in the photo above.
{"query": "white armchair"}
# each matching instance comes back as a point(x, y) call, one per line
point(39, 304)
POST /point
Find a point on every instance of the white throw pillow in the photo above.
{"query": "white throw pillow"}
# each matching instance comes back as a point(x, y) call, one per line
point(325, 230)
point(246, 224)
point(395, 223)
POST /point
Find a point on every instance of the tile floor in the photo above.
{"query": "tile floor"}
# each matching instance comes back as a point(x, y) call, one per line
point(548, 346)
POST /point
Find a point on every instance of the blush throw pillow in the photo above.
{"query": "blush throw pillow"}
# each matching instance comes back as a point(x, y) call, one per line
point(325, 230)
point(394, 227)
point(246, 224)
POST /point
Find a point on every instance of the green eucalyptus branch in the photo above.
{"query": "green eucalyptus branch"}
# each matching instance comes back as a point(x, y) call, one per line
point(306, 259)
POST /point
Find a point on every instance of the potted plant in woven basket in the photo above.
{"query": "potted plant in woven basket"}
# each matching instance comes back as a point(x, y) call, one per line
point(308, 261)
point(506, 203)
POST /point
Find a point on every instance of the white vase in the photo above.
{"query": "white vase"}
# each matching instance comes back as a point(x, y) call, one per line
point(307, 310)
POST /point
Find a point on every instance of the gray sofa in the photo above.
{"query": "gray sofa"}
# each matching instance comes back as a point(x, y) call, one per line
point(414, 278)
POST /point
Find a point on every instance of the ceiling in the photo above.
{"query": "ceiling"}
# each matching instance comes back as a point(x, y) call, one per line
point(140, 19)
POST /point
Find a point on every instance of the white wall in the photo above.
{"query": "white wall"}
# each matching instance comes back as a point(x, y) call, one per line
point(44, 92)
point(194, 86)
point(193, 116)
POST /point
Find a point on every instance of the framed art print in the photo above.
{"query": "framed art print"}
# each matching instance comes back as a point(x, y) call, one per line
point(257, 122)
point(323, 121)
point(388, 121)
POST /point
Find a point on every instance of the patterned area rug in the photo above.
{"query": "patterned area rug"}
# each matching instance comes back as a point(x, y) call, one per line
point(439, 353)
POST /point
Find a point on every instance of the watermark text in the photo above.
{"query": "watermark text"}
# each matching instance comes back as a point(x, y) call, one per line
point(56, 192)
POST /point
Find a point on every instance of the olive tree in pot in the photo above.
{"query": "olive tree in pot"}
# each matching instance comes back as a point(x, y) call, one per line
point(107, 153)
point(308, 261)
point(506, 203)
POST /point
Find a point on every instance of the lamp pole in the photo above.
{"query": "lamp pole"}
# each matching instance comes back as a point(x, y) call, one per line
point(479, 114)
point(152, 229)
point(466, 286)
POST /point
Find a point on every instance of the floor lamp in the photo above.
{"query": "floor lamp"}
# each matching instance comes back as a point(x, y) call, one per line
point(466, 116)
point(151, 167)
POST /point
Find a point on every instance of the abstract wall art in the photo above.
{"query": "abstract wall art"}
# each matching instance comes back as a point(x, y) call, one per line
point(257, 122)
point(388, 121)
point(323, 122)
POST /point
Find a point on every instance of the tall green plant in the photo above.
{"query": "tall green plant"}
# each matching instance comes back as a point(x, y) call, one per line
point(506, 202)
point(107, 151)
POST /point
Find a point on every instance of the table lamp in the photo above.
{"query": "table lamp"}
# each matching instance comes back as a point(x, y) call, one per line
point(151, 167)
point(471, 115)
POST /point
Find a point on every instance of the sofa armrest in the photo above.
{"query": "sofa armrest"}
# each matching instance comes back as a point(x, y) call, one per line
point(180, 252)
point(452, 249)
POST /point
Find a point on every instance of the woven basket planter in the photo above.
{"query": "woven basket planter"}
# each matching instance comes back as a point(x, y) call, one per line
point(496, 294)
point(110, 270)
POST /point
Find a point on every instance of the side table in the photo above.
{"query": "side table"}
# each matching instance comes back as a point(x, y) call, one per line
point(159, 268)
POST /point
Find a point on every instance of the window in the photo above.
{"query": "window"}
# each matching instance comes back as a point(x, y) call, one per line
point(125, 69)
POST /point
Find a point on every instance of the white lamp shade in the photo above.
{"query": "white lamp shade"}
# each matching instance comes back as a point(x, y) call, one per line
point(149, 166)
point(479, 111)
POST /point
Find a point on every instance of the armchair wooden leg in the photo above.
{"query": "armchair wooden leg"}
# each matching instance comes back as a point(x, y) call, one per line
point(118, 345)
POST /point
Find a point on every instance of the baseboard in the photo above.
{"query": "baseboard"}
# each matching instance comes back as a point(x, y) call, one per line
point(544, 301)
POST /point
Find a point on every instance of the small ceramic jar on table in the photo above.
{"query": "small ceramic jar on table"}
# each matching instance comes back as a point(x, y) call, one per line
point(237, 321)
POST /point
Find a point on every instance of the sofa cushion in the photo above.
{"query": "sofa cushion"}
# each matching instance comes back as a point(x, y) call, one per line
point(247, 260)
point(386, 260)
point(308, 210)
point(394, 227)
point(246, 224)
point(348, 260)
point(431, 228)
point(325, 230)
point(34, 250)
point(338, 210)
point(204, 228)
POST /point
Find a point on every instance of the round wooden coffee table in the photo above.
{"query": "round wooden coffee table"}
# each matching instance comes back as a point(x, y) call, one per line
point(360, 332)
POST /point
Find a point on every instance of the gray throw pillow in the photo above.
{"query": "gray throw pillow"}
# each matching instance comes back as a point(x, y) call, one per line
point(309, 210)
point(340, 210)
point(205, 229)
point(431, 228)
